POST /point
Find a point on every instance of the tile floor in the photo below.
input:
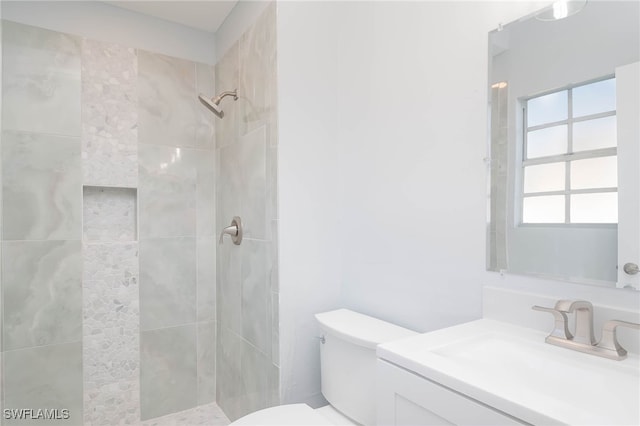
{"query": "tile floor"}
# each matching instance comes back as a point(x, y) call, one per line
point(203, 415)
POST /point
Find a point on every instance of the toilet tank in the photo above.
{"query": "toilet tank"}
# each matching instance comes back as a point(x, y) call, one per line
point(348, 360)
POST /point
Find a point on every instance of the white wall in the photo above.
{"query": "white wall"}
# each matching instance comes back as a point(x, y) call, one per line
point(383, 131)
point(308, 186)
point(100, 21)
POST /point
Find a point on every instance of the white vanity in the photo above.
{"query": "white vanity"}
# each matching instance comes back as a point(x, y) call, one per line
point(491, 372)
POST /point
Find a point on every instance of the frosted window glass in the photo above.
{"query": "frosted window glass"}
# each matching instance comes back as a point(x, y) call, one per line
point(544, 177)
point(594, 98)
point(595, 173)
point(595, 134)
point(545, 209)
point(547, 109)
point(594, 208)
point(545, 142)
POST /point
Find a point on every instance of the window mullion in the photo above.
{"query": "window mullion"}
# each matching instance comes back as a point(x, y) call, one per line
point(567, 179)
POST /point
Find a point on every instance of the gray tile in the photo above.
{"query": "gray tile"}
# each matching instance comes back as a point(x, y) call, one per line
point(275, 328)
point(206, 275)
point(257, 73)
point(206, 194)
point(109, 214)
point(228, 185)
point(167, 282)
point(166, 99)
point(226, 75)
point(45, 377)
point(109, 114)
point(41, 80)
point(205, 415)
point(272, 182)
point(229, 385)
point(253, 189)
point(41, 177)
point(205, 85)
point(256, 295)
point(167, 191)
point(255, 379)
point(42, 293)
point(206, 362)
point(168, 374)
point(229, 286)
point(273, 257)
point(273, 385)
point(1, 382)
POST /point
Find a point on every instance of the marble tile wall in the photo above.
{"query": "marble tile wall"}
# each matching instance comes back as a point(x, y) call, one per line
point(109, 243)
point(177, 235)
point(111, 301)
point(247, 275)
point(41, 174)
point(1, 303)
point(111, 333)
point(109, 115)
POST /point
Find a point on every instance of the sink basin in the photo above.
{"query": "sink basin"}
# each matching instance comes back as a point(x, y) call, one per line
point(511, 369)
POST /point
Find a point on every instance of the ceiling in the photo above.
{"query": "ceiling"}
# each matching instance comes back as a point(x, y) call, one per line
point(205, 15)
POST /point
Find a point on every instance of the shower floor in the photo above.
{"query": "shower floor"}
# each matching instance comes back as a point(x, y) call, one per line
point(205, 415)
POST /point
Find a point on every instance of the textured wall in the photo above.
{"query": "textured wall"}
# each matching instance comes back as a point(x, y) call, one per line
point(247, 352)
point(109, 266)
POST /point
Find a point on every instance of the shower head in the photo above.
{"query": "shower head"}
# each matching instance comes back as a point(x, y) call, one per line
point(213, 107)
point(214, 103)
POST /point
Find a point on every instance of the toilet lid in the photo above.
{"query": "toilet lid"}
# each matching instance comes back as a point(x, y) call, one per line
point(284, 415)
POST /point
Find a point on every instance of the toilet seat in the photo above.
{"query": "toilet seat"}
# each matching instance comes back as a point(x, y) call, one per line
point(284, 415)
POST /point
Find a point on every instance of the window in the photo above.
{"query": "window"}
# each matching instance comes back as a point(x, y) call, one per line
point(569, 167)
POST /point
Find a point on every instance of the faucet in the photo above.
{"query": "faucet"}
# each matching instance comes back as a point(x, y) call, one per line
point(584, 319)
point(583, 339)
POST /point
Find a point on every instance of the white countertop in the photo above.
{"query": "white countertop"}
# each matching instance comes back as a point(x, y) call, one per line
point(512, 369)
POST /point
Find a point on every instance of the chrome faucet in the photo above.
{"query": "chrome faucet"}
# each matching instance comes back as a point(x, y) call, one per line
point(583, 339)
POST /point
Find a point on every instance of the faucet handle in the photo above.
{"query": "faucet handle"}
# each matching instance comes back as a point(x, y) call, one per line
point(609, 342)
point(234, 230)
point(561, 327)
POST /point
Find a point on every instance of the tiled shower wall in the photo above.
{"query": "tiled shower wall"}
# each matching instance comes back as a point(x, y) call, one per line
point(108, 220)
point(246, 144)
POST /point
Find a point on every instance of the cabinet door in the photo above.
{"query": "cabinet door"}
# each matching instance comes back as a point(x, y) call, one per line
point(406, 399)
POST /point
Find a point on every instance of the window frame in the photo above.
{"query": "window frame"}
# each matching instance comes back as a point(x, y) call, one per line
point(566, 158)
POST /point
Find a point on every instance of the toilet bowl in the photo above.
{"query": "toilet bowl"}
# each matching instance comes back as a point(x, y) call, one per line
point(348, 370)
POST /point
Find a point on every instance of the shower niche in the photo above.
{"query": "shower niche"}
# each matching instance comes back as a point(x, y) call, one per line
point(109, 214)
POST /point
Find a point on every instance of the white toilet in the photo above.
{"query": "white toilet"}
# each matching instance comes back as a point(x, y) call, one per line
point(348, 371)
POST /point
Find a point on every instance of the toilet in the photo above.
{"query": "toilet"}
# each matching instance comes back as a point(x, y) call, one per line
point(348, 372)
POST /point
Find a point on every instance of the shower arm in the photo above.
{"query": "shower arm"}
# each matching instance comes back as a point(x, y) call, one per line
point(222, 95)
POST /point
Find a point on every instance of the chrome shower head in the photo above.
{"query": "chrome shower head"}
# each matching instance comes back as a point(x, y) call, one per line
point(214, 103)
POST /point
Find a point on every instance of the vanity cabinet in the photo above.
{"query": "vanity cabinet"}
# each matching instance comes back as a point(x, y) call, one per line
point(407, 399)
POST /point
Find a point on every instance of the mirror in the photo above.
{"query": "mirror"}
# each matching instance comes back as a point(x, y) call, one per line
point(564, 156)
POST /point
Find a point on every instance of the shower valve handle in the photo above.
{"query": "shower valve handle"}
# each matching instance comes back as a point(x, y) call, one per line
point(234, 230)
